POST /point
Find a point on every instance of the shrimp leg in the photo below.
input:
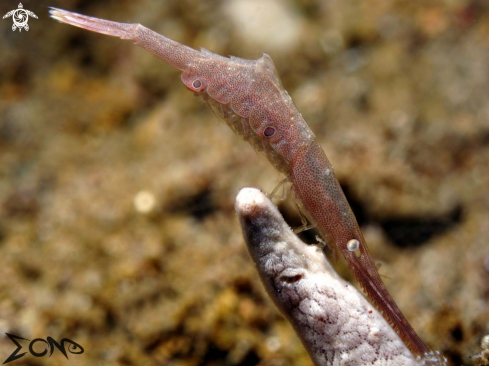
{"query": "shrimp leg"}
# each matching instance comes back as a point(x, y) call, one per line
point(249, 97)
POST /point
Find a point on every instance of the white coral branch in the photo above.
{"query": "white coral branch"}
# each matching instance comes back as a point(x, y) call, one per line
point(335, 322)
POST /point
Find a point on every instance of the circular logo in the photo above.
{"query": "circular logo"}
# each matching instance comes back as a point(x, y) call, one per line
point(20, 18)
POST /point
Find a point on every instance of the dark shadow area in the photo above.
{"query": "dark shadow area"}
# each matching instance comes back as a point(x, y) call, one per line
point(214, 353)
point(199, 205)
point(406, 231)
point(415, 231)
point(292, 217)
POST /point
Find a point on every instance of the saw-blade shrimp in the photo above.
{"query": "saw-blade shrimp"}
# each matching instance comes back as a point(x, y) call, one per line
point(249, 97)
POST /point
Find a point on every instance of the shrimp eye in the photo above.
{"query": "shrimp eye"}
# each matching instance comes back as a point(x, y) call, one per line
point(353, 245)
point(269, 132)
point(197, 84)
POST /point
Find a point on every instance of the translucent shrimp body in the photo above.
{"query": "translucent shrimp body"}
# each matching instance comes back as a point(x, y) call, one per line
point(249, 97)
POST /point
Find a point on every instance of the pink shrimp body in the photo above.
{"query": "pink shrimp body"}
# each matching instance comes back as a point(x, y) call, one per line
point(249, 97)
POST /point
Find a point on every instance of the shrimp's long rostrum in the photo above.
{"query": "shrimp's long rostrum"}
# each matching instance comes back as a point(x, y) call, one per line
point(249, 97)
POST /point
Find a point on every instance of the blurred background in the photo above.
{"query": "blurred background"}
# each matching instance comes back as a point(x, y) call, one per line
point(117, 185)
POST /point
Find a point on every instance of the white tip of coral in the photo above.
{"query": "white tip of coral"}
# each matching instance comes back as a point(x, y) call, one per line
point(249, 200)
